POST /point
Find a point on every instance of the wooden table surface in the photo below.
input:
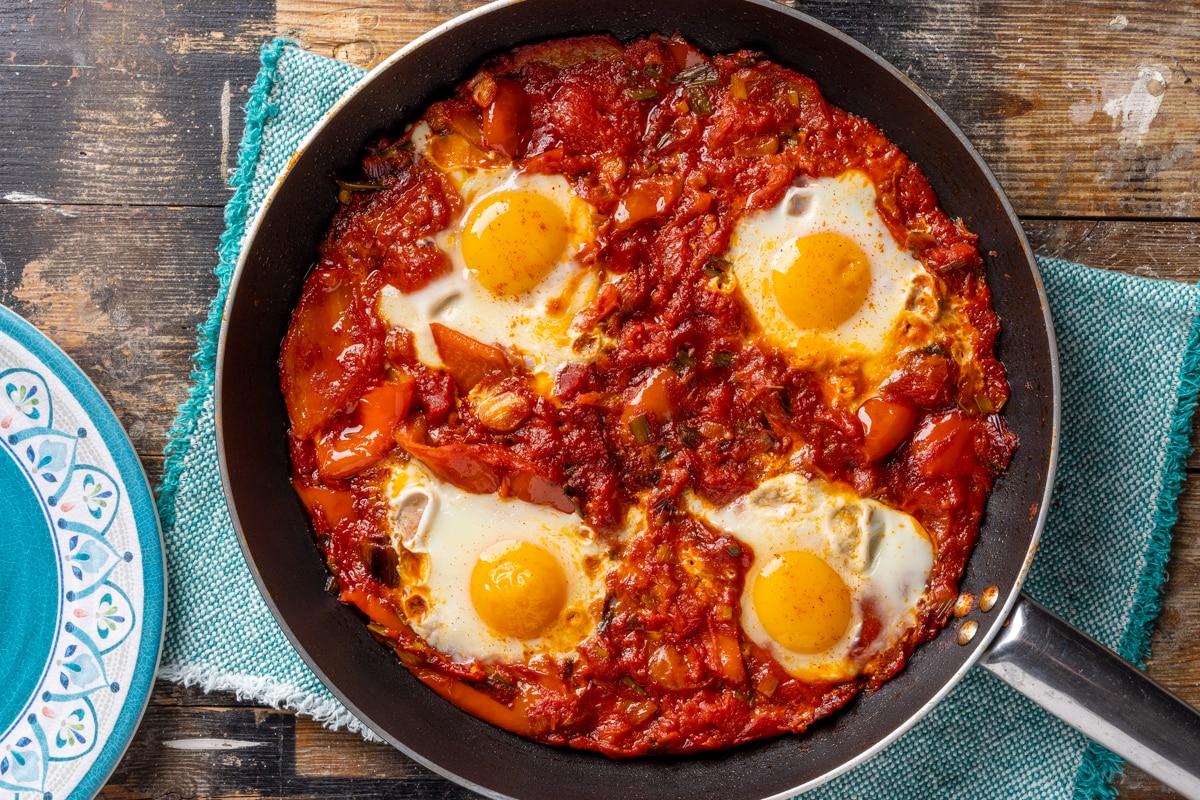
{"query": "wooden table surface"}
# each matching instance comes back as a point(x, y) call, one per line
point(119, 130)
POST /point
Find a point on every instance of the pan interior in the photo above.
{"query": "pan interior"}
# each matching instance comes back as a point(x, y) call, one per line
point(274, 529)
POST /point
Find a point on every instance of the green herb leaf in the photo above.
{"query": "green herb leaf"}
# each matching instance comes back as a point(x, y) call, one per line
point(639, 426)
point(500, 679)
point(722, 358)
point(700, 75)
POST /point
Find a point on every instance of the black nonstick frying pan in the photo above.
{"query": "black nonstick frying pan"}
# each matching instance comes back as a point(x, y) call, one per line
point(1017, 639)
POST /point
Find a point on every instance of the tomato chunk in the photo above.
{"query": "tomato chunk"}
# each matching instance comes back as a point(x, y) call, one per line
point(467, 359)
point(332, 350)
point(726, 655)
point(646, 199)
point(506, 122)
point(885, 425)
point(463, 465)
point(365, 434)
point(943, 444)
point(331, 505)
point(684, 53)
point(487, 469)
point(652, 400)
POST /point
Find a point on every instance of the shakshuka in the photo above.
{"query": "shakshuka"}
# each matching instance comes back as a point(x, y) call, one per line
point(643, 401)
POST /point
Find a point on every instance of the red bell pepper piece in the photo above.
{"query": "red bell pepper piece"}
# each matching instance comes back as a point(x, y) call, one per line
point(365, 434)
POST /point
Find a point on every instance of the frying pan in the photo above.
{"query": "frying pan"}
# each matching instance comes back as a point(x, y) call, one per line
point(1017, 639)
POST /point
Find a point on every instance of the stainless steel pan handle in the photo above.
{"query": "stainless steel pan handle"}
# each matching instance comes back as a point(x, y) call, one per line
point(1099, 693)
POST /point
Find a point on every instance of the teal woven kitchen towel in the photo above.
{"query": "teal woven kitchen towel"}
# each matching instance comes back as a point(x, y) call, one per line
point(1129, 361)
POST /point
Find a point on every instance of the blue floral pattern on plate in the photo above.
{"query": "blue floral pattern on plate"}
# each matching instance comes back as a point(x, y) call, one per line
point(80, 484)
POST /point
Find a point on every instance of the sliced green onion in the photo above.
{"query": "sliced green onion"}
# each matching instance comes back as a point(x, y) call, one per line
point(715, 266)
point(576, 497)
point(632, 684)
point(700, 75)
point(723, 358)
point(684, 361)
point(500, 679)
point(699, 100)
point(734, 551)
point(689, 436)
point(639, 426)
point(641, 93)
point(378, 630)
point(357, 186)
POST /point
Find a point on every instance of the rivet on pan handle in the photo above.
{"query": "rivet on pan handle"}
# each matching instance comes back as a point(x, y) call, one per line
point(1099, 693)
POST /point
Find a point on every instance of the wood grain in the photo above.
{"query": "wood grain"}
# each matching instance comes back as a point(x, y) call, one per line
point(362, 33)
point(121, 102)
point(1161, 249)
point(1055, 96)
point(122, 290)
point(1081, 108)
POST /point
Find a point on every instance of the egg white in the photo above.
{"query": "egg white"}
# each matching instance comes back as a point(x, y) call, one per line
point(450, 528)
point(764, 242)
point(535, 324)
point(882, 555)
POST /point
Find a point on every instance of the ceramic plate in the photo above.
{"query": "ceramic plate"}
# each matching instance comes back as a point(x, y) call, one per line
point(82, 588)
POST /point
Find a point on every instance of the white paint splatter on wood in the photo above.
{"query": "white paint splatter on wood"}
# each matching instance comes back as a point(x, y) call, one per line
point(1119, 22)
point(44, 203)
point(21, 197)
point(1137, 109)
point(210, 744)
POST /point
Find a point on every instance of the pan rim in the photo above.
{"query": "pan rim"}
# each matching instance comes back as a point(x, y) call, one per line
point(254, 225)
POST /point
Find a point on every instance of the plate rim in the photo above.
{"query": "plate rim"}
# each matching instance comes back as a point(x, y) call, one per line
point(148, 529)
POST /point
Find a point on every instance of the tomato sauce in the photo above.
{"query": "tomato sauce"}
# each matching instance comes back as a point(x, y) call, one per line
point(671, 147)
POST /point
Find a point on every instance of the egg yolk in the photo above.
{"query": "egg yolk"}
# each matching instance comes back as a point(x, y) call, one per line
point(511, 240)
point(518, 589)
point(802, 602)
point(826, 284)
